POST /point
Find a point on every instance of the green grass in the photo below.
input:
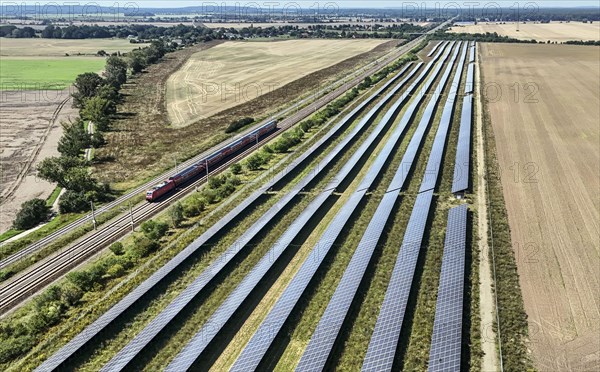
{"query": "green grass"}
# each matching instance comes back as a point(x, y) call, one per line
point(45, 73)
point(52, 198)
point(9, 234)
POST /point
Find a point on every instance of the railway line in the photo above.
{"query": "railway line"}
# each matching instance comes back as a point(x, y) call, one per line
point(16, 289)
point(285, 124)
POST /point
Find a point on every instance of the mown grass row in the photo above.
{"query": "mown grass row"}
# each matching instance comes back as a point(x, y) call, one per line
point(511, 311)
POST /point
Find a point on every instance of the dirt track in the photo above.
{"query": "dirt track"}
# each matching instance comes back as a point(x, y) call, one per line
point(29, 132)
point(547, 144)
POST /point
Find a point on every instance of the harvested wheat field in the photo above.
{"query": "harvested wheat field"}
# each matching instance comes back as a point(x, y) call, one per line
point(547, 146)
point(237, 72)
point(553, 31)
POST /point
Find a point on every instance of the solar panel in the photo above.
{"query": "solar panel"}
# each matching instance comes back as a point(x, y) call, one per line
point(472, 54)
point(446, 340)
point(470, 78)
point(437, 150)
point(460, 180)
point(270, 327)
point(435, 48)
point(384, 341)
point(92, 330)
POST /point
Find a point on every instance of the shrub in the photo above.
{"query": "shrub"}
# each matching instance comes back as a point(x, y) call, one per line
point(117, 248)
point(254, 162)
point(176, 214)
point(236, 168)
point(237, 124)
point(81, 279)
point(210, 196)
point(32, 213)
point(70, 294)
point(154, 230)
point(194, 207)
point(143, 246)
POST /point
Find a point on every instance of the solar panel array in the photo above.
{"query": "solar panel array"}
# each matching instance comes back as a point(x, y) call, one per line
point(322, 341)
point(259, 344)
point(472, 54)
point(92, 330)
point(384, 341)
point(233, 302)
point(462, 163)
point(125, 355)
point(446, 340)
point(470, 78)
point(437, 150)
point(435, 48)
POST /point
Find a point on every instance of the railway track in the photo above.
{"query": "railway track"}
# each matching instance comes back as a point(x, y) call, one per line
point(37, 276)
point(294, 118)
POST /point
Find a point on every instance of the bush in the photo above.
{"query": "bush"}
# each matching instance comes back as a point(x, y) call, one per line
point(143, 246)
point(31, 214)
point(154, 230)
point(194, 207)
point(73, 202)
point(210, 196)
point(176, 214)
point(236, 168)
point(254, 162)
point(215, 182)
point(70, 294)
point(117, 248)
point(81, 279)
point(237, 124)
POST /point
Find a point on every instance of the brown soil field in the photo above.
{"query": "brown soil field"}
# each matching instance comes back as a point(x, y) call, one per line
point(29, 132)
point(142, 141)
point(553, 31)
point(237, 72)
point(547, 145)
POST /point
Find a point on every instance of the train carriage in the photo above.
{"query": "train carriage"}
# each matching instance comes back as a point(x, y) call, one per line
point(215, 158)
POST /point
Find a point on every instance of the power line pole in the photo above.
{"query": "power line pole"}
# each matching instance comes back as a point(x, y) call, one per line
point(131, 215)
point(93, 214)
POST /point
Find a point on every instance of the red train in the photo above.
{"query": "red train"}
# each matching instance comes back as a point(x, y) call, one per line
point(189, 173)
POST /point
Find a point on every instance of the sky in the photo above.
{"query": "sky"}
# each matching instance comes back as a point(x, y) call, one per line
point(321, 3)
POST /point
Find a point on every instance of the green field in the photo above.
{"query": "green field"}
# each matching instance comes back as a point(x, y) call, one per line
point(45, 73)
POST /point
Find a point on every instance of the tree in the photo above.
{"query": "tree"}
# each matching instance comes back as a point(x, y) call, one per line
point(53, 169)
point(109, 93)
point(87, 85)
point(116, 71)
point(97, 110)
point(79, 179)
point(74, 139)
point(194, 207)
point(137, 61)
point(32, 213)
point(176, 214)
point(73, 202)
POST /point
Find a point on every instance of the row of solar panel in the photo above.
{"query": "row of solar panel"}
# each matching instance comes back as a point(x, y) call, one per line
point(322, 341)
point(91, 331)
point(262, 340)
point(233, 302)
point(462, 164)
point(445, 351)
point(384, 340)
point(437, 150)
point(126, 354)
point(435, 48)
